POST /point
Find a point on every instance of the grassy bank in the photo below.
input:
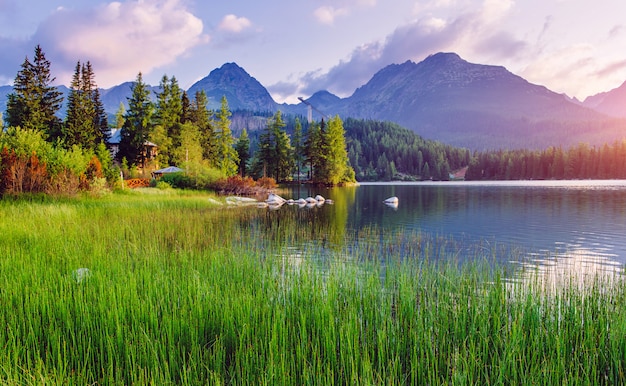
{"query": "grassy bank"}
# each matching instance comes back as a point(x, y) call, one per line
point(177, 293)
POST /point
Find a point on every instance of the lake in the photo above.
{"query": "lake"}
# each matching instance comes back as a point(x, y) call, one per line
point(558, 226)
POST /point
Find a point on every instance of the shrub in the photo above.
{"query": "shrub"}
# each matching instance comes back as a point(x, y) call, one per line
point(267, 182)
point(162, 185)
point(177, 180)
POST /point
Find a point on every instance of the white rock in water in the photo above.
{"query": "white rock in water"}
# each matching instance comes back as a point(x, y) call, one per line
point(275, 199)
point(319, 198)
point(311, 200)
point(391, 200)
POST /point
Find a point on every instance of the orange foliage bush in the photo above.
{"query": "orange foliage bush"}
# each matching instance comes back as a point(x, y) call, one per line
point(267, 182)
point(238, 185)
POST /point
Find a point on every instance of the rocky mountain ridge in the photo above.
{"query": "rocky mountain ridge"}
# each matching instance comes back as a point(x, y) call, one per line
point(443, 98)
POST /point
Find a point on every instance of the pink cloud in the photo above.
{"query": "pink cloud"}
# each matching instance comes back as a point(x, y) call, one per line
point(233, 24)
point(120, 39)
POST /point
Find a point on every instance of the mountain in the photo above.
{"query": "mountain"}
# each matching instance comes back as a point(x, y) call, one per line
point(242, 91)
point(478, 106)
point(612, 103)
point(442, 98)
point(112, 97)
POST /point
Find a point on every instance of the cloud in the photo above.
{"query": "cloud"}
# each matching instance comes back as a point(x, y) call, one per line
point(120, 39)
point(616, 31)
point(233, 30)
point(233, 24)
point(327, 14)
point(475, 33)
point(282, 91)
point(572, 66)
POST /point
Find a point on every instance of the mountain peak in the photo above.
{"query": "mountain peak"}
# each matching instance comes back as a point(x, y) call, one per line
point(611, 102)
point(444, 57)
point(241, 90)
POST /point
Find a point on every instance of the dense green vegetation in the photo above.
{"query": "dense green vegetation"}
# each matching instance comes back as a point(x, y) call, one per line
point(173, 131)
point(385, 151)
point(177, 130)
point(176, 292)
point(579, 162)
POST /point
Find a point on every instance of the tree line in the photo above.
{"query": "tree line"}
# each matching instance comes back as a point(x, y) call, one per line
point(578, 162)
point(173, 130)
point(42, 152)
point(384, 151)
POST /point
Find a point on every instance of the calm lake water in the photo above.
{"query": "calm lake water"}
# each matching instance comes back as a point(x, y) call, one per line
point(563, 225)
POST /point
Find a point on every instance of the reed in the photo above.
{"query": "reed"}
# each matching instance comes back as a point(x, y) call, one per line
point(177, 292)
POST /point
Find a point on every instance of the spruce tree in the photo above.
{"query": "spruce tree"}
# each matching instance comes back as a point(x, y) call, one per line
point(86, 123)
point(201, 117)
point(100, 118)
point(314, 151)
point(137, 124)
point(168, 116)
point(226, 155)
point(265, 157)
point(119, 116)
point(243, 151)
point(78, 128)
point(34, 102)
point(298, 147)
point(282, 149)
point(336, 163)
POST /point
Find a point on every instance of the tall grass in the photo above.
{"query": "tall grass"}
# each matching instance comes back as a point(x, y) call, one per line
point(178, 293)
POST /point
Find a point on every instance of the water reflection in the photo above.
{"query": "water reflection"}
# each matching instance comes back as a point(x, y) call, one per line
point(556, 228)
point(573, 268)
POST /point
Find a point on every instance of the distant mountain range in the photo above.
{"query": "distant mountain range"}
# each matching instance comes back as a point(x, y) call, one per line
point(443, 98)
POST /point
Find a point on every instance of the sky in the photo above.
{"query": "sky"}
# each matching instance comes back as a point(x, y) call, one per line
point(297, 47)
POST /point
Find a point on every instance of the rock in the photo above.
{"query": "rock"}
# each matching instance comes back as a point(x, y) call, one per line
point(391, 200)
point(81, 274)
point(275, 199)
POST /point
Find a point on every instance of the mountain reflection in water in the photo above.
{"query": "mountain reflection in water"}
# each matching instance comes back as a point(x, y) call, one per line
point(559, 227)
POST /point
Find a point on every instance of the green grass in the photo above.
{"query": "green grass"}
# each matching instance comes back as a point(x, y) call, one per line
point(178, 293)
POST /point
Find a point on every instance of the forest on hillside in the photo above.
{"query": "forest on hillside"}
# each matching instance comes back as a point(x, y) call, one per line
point(42, 152)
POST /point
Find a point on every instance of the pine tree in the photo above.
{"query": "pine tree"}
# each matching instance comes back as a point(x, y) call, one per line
point(243, 151)
point(119, 116)
point(314, 151)
point(168, 116)
point(337, 165)
point(264, 160)
point(282, 149)
point(298, 147)
point(78, 128)
point(100, 119)
point(201, 117)
point(137, 124)
point(185, 108)
point(34, 102)
point(226, 155)
point(86, 124)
